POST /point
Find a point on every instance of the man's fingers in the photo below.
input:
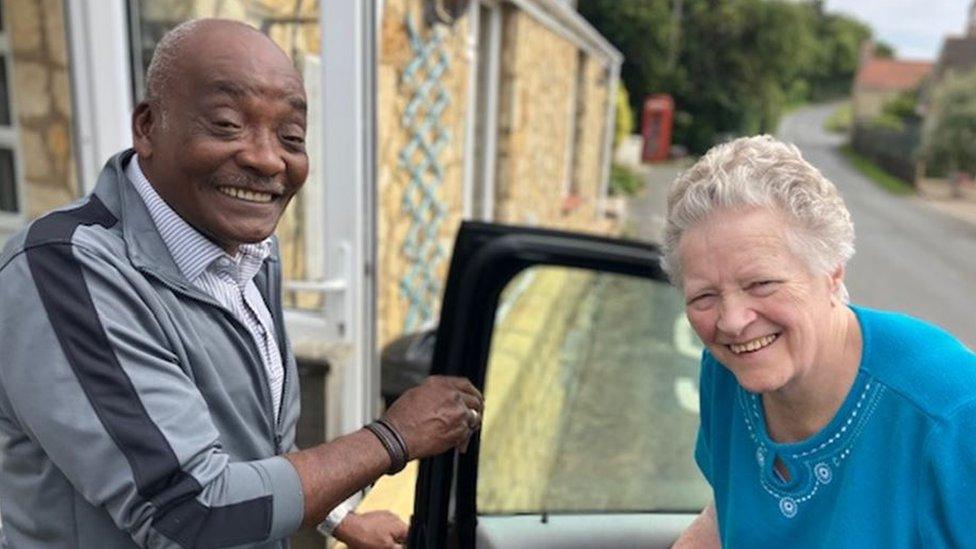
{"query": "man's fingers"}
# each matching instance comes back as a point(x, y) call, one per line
point(473, 403)
point(464, 385)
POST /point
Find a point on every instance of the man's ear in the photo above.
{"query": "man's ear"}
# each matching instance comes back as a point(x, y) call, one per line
point(144, 119)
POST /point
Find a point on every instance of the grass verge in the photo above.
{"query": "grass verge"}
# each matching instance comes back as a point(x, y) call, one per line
point(874, 172)
point(840, 120)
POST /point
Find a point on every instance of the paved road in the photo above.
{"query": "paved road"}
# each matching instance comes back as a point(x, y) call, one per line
point(910, 257)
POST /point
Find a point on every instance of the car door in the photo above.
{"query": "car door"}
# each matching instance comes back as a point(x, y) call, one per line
point(589, 371)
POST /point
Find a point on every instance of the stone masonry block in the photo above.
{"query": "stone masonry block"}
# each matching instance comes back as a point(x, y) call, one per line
point(31, 89)
point(55, 32)
point(37, 164)
point(61, 90)
point(24, 20)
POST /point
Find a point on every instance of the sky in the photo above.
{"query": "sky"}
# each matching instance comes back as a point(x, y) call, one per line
point(915, 28)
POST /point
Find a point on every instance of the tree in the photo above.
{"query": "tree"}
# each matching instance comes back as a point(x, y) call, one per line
point(739, 63)
point(837, 55)
point(884, 50)
point(637, 28)
point(949, 133)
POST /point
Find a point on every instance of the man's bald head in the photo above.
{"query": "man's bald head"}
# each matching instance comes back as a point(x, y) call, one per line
point(176, 46)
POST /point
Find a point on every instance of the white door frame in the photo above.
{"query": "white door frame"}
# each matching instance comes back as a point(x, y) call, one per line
point(349, 123)
point(101, 83)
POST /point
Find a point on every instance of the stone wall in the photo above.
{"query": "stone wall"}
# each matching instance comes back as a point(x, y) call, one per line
point(588, 150)
point(41, 95)
point(536, 109)
point(551, 126)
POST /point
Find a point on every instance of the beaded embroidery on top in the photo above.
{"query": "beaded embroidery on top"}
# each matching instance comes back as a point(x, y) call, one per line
point(818, 464)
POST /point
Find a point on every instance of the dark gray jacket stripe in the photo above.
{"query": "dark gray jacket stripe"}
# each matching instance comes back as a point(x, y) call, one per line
point(158, 476)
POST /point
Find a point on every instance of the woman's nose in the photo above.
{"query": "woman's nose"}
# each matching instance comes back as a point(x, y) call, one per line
point(734, 316)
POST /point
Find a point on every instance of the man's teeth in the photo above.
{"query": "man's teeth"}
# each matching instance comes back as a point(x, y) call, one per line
point(244, 194)
point(754, 345)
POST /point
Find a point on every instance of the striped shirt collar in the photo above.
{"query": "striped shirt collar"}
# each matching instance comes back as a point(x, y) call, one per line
point(192, 251)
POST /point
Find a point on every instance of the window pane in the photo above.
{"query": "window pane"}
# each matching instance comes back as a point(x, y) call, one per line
point(8, 182)
point(4, 93)
point(591, 398)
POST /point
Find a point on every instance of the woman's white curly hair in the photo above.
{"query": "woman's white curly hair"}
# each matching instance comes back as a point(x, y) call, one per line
point(763, 172)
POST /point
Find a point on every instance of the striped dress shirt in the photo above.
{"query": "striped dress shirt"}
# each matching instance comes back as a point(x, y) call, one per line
point(228, 279)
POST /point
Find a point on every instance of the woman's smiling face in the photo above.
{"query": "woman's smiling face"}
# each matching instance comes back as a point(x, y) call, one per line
point(752, 301)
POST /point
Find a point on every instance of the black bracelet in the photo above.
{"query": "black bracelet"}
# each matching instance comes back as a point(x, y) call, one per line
point(399, 438)
point(388, 438)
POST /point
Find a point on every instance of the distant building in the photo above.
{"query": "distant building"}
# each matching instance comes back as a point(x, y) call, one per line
point(879, 80)
point(958, 53)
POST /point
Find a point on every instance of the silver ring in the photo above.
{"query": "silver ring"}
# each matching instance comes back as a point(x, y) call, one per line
point(475, 418)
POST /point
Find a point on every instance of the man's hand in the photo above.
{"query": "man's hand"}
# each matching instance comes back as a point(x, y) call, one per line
point(440, 414)
point(374, 530)
point(432, 418)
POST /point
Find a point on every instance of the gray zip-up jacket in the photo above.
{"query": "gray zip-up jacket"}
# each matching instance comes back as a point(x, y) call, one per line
point(134, 408)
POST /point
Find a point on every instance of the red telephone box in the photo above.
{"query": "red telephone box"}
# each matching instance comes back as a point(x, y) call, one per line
point(656, 121)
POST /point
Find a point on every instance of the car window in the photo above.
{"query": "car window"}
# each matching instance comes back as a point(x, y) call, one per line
point(591, 398)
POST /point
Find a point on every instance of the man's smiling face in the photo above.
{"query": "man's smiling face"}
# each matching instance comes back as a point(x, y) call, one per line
point(229, 152)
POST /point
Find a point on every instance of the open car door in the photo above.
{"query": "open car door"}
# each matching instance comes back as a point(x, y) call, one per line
point(589, 371)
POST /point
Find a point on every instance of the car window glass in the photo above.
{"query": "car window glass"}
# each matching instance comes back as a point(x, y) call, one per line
point(591, 398)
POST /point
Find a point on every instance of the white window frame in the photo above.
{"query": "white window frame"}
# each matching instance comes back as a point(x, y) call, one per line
point(101, 83)
point(10, 139)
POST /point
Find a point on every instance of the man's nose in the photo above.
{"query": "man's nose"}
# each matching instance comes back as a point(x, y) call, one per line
point(262, 154)
point(735, 314)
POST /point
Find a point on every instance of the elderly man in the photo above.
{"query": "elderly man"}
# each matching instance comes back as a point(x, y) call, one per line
point(147, 392)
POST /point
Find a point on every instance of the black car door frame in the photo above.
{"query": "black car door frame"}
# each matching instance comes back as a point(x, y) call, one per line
point(486, 257)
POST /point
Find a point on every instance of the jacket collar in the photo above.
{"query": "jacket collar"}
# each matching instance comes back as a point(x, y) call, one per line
point(145, 247)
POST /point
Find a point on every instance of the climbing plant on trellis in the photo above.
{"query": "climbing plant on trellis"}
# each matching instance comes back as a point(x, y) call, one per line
point(420, 157)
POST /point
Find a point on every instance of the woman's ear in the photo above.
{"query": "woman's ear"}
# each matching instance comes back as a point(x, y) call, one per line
point(835, 282)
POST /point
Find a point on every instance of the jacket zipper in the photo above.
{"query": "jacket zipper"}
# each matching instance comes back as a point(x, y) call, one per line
point(201, 297)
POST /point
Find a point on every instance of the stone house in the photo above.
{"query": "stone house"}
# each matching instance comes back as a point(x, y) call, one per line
point(880, 80)
point(423, 113)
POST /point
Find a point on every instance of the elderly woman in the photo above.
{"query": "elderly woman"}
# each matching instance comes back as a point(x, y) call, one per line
point(823, 424)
